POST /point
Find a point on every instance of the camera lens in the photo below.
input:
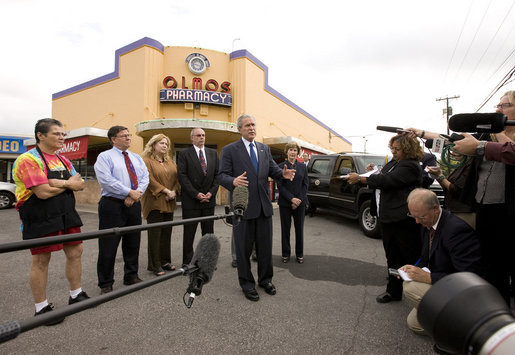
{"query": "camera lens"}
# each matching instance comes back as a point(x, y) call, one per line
point(462, 312)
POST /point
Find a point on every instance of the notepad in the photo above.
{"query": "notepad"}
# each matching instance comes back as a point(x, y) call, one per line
point(405, 276)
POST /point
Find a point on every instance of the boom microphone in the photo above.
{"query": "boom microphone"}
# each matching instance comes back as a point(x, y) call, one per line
point(205, 258)
point(390, 129)
point(240, 200)
point(479, 122)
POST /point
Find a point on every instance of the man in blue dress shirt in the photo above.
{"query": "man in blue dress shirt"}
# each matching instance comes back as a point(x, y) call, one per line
point(123, 178)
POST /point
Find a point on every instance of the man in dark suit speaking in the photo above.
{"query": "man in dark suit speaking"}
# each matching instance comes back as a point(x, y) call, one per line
point(449, 245)
point(249, 163)
point(197, 170)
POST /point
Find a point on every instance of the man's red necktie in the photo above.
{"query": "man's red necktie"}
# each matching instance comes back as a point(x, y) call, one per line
point(202, 161)
point(431, 236)
point(131, 170)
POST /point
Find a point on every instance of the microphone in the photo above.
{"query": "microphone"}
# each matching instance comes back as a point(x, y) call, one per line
point(240, 201)
point(452, 138)
point(205, 258)
point(390, 129)
point(479, 122)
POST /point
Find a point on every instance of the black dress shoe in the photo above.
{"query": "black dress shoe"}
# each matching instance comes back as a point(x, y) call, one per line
point(49, 308)
point(132, 281)
point(80, 297)
point(251, 294)
point(386, 297)
point(439, 350)
point(106, 289)
point(269, 288)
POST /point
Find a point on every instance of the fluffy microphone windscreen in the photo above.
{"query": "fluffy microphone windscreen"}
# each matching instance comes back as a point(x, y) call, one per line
point(478, 122)
point(206, 255)
point(240, 198)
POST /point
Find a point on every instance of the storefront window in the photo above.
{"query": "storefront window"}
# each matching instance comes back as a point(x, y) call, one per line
point(85, 167)
point(5, 170)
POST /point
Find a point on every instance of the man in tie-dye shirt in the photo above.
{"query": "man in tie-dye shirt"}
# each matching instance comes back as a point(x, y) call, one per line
point(45, 182)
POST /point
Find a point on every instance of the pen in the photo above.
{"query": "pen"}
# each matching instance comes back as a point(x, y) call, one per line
point(417, 262)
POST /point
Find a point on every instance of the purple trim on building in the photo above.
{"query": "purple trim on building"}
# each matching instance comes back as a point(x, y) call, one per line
point(145, 41)
point(243, 53)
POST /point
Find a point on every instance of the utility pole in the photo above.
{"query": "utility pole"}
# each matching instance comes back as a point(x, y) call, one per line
point(448, 109)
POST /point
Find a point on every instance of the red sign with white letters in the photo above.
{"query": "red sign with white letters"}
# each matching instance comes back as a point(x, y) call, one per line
point(74, 148)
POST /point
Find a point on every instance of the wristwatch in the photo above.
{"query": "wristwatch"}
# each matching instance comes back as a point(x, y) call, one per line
point(480, 150)
point(440, 178)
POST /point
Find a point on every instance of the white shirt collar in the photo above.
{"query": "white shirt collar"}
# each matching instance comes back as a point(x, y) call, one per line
point(438, 220)
point(197, 149)
point(247, 143)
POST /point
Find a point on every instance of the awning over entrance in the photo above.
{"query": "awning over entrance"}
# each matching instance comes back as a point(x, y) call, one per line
point(76, 145)
point(75, 148)
point(217, 132)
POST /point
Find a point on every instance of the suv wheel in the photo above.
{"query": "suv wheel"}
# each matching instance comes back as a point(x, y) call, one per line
point(6, 200)
point(368, 223)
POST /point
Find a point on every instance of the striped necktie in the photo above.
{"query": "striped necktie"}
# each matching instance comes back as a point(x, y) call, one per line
point(202, 161)
point(131, 171)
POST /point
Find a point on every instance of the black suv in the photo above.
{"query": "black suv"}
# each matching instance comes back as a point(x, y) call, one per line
point(328, 187)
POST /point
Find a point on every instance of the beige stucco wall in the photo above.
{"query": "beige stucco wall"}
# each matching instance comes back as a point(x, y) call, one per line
point(127, 100)
point(133, 97)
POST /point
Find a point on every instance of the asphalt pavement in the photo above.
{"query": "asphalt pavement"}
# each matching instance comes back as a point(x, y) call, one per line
point(326, 305)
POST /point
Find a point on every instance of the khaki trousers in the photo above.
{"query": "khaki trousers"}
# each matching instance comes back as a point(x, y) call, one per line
point(413, 293)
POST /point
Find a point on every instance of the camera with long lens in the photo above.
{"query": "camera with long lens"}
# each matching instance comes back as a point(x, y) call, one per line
point(466, 315)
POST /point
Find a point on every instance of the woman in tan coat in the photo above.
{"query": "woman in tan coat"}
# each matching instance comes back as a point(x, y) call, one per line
point(159, 201)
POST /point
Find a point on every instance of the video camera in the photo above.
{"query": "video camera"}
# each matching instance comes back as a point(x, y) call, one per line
point(466, 315)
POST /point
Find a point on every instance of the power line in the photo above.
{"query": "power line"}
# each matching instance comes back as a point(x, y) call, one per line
point(458, 41)
point(492, 40)
point(504, 81)
point(473, 39)
point(497, 54)
point(502, 64)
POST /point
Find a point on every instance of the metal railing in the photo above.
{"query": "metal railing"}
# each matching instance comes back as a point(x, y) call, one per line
point(12, 329)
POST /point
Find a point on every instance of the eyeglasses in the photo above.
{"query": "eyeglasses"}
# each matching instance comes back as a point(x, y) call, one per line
point(59, 134)
point(415, 217)
point(503, 106)
point(199, 135)
point(124, 136)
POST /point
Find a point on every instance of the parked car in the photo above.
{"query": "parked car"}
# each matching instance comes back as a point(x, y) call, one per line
point(329, 189)
point(7, 197)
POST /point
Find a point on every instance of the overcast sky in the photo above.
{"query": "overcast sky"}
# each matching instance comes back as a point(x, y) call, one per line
point(351, 64)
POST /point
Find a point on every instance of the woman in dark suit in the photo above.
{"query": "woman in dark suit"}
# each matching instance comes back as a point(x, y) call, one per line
point(292, 203)
point(401, 234)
